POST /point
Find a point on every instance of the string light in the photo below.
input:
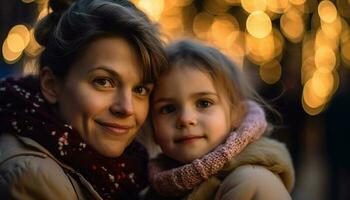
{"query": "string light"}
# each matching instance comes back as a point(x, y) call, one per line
point(257, 30)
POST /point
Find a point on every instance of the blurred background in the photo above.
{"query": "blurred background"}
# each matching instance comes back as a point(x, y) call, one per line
point(295, 52)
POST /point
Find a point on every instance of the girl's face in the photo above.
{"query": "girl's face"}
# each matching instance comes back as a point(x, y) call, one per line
point(103, 96)
point(190, 117)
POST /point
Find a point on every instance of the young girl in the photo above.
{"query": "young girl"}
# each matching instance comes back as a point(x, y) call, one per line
point(203, 120)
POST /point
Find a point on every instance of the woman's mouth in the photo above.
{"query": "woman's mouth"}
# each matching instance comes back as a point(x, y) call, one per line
point(114, 128)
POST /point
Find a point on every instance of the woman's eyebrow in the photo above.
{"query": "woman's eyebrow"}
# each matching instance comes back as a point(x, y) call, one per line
point(108, 70)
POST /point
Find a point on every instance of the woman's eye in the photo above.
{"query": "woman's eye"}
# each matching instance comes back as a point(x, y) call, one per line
point(142, 90)
point(204, 104)
point(103, 82)
point(167, 109)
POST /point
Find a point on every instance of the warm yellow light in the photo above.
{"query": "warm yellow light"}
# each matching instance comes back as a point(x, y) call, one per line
point(292, 25)
point(277, 6)
point(325, 59)
point(270, 72)
point(170, 22)
point(312, 111)
point(33, 49)
point(278, 42)
point(21, 31)
point(15, 42)
point(322, 40)
point(10, 57)
point(236, 53)
point(308, 49)
point(181, 3)
point(333, 29)
point(215, 6)
point(224, 28)
point(345, 52)
point(259, 24)
point(152, 8)
point(233, 2)
point(297, 2)
point(259, 50)
point(327, 11)
point(253, 5)
point(322, 83)
point(345, 31)
point(201, 24)
point(310, 98)
point(308, 69)
point(45, 11)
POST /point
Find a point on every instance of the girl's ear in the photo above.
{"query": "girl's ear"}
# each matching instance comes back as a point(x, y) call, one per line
point(48, 85)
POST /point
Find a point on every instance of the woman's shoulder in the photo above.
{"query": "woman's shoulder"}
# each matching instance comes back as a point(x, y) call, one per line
point(26, 173)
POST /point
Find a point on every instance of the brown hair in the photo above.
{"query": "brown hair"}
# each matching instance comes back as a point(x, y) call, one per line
point(67, 32)
point(225, 74)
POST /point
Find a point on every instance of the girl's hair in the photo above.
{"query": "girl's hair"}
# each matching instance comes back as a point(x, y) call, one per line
point(226, 76)
point(67, 32)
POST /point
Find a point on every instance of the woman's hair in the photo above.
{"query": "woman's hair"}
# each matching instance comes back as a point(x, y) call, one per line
point(67, 32)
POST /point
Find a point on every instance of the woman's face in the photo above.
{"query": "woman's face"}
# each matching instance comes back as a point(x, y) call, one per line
point(103, 96)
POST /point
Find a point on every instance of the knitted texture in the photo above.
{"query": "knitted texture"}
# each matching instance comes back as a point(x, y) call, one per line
point(178, 180)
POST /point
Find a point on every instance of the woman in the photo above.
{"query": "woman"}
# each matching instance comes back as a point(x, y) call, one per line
point(68, 133)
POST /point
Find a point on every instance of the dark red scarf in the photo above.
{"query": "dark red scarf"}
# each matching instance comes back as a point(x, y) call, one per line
point(23, 111)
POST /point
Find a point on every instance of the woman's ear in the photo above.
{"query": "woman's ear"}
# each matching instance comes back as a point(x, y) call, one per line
point(48, 85)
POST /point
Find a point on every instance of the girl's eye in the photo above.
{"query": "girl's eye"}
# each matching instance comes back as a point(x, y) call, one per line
point(103, 83)
point(142, 90)
point(204, 104)
point(167, 109)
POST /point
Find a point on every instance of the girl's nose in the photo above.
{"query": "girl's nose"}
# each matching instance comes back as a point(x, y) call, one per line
point(123, 104)
point(186, 119)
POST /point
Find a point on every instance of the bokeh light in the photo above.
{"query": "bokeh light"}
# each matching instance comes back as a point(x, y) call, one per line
point(292, 25)
point(325, 59)
point(201, 24)
point(153, 8)
point(327, 11)
point(270, 72)
point(259, 24)
point(254, 5)
point(257, 30)
point(277, 6)
point(297, 2)
point(224, 30)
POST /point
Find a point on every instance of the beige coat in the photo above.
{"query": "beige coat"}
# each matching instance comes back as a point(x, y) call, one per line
point(28, 171)
point(263, 170)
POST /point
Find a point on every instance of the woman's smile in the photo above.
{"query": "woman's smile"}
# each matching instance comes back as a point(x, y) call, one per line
point(116, 129)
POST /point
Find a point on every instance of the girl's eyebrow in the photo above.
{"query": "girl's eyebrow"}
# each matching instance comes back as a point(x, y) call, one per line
point(205, 93)
point(195, 95)
point(162, 99)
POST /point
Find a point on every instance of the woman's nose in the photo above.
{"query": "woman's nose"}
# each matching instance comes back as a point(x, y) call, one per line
point(123, 104)
point(186, 119)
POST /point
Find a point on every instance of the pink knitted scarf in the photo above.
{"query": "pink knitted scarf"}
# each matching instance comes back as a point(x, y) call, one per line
point(178, 180)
